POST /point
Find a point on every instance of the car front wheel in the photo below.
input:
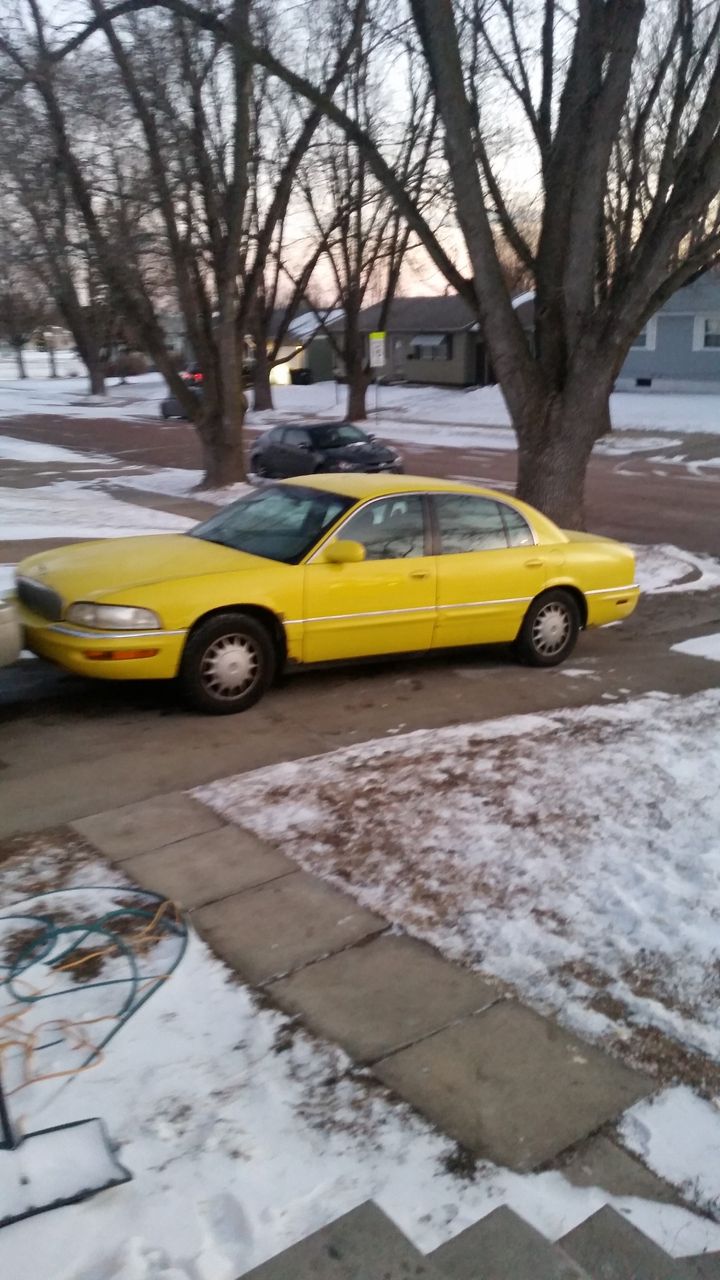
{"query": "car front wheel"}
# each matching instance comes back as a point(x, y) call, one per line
point(229, 662)
point(550, 630)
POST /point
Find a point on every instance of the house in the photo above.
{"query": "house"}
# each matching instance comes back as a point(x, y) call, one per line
point(435, 340)
point(679, 348)
point(306, 345)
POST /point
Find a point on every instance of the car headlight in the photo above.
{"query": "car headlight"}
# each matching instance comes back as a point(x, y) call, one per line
point(112, 617)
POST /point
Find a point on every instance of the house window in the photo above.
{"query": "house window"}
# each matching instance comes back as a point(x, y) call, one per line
point(646, 339)
point(431, 346)
point(706, 333)
point(711, 332)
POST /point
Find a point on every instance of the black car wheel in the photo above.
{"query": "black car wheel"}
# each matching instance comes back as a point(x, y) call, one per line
point(228, 664)
point(549, 631)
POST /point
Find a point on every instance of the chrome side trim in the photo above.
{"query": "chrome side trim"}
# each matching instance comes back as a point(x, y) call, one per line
point(111, 635)
point(612, 591)
point(389, 613)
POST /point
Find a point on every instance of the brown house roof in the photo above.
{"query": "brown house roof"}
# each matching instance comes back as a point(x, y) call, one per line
point(447, 314)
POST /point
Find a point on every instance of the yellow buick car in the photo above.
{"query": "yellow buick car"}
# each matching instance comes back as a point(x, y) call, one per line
point(320, 568)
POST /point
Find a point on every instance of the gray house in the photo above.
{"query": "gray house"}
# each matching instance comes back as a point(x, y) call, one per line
point(679, 348)
point(435, 340)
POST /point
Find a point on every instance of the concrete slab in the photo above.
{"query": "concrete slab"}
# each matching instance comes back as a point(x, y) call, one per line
point(380, 997)
point(150, 824)
point(512, 1086)
point(362, 1245)
point(601, 1163)
point(205, 868)
point(267, 932)
point(503, 1244)
point(611, 1248)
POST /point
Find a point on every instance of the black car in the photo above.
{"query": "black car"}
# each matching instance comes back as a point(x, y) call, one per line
point(302, 449)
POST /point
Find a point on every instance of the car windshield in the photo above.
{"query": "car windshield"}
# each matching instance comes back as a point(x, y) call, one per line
point(337, 436)
point(279, 522)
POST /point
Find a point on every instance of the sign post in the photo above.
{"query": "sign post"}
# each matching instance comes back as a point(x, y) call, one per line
point(377, 358)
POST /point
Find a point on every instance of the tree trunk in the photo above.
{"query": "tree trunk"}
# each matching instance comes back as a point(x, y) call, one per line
point(262, 391)
point(52, 362)
point(554, 448)
point(97, 376)
point(223, 416)
point(20, 361)
point(357, 375)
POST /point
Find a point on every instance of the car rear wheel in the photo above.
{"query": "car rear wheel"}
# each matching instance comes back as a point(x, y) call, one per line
point(550, 630)
point(229, 662)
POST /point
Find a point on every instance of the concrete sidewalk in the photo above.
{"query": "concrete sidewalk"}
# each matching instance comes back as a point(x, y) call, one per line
point(506, 1084)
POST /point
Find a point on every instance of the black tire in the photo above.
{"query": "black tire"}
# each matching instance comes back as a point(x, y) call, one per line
point(549, 631)
point(258, 468)
point(248, 671)
point(164, 412)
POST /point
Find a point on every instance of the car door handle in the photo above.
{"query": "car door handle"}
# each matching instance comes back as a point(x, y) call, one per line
point(420, 573)
point(535, 563)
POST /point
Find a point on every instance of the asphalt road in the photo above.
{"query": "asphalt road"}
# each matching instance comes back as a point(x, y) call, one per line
point(638, 497)
point(70, 747)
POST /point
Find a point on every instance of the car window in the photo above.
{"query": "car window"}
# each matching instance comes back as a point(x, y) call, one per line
point(279, 522)
point(519, 533)
point(337, 436)
point(294, 435)
point(391, 529)
point(468, 523)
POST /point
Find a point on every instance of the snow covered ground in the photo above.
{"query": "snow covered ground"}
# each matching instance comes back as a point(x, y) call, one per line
point(575, 855)
point(701, 647)
point(71, 509)
point(242, 1133)
point(399, 413)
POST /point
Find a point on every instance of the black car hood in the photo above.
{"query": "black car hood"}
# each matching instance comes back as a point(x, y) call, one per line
point(372, 451)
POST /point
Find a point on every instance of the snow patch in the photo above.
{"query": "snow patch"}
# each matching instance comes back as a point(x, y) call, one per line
point(701, 647)
point(677, 1135)
point(15, 450)
point(668, 569)
point(70, 509)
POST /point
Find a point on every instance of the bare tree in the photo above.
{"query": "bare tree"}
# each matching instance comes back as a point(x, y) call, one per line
point(24, 311)
point(619, 108)
point(363, 235)
point(188, 100)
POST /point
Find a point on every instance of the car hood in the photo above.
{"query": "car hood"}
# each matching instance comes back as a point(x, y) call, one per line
point(373, 451)
point(92, 570)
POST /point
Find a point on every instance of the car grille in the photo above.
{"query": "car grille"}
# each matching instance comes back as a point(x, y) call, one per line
point(40, 599)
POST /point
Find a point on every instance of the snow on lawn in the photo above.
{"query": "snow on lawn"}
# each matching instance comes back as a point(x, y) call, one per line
point(701, 647)
point(669, 570)
point(678, 1135)
point(397, 408)
point(15, 450)
point(182, 482)
point(68, 397)
point(7, 579)
point(242, 1133)
point(575, 855)
point(69, 509)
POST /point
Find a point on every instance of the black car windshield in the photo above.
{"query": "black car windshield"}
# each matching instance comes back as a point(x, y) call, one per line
point(337, 436)
point(279, 522)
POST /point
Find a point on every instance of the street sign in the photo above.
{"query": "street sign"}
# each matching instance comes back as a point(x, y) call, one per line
point(377, 350)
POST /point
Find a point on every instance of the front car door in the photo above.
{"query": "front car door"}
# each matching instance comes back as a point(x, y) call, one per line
point(488, 571)
point(295, 454)
point(386, 602)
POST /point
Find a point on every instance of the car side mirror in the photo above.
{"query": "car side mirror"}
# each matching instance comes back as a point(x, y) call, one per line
point(344, 552)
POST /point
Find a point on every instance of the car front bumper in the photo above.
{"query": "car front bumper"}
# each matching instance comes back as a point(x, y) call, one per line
point(106, 655)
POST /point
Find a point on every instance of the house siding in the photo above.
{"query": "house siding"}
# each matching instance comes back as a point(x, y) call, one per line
point(673, 359)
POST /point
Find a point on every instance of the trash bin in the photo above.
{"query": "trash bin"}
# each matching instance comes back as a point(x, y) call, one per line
point(300, 377)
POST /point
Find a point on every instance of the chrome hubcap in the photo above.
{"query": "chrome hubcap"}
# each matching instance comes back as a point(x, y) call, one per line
point(230, 666)
point(551, 629)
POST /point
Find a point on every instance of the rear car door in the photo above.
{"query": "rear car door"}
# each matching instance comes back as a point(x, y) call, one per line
point(488, 570)
point(383, 604)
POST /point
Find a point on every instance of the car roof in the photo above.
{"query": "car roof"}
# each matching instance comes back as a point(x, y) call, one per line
point(361, 484)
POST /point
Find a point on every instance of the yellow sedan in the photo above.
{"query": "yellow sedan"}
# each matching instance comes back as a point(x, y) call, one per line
point(316, 569)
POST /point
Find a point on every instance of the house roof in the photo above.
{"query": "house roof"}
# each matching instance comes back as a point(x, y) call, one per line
point(431, 315)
